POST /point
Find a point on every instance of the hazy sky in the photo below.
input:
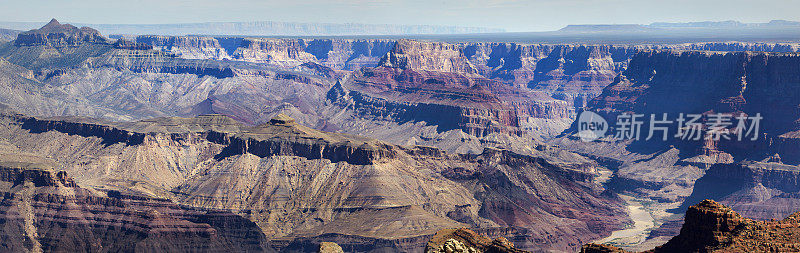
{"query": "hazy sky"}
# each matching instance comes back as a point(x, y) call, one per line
point(512, 15)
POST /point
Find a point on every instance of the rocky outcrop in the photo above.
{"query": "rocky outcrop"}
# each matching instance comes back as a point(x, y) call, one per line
point(707, 224)
point(330, 247)
point(713, 227)
point(467, 241)
point(57, 35)
point(349, 243)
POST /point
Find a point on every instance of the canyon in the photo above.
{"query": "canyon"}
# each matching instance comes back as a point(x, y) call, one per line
point(381, 144)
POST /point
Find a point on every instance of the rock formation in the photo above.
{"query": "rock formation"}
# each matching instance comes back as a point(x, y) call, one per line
point(330, 247)
point(57, 35)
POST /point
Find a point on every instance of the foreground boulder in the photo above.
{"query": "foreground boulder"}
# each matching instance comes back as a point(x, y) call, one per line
point(465, 240)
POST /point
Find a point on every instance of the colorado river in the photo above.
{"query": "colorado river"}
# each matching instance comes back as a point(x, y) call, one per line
point(643, 222)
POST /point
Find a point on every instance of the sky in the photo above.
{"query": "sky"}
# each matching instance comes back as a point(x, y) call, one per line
point(512, 15)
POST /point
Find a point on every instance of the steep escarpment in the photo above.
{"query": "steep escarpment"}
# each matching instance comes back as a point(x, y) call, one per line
point(713, 227)
point(702, 82)
point(45, 210)
point(350, 54)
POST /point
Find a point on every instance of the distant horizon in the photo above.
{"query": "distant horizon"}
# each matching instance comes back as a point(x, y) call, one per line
point(37, 24)
point(509, 15)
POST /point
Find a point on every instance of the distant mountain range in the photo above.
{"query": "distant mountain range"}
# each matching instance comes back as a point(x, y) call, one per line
point(662, 26)
point(265, 28)
point(776, 31)
point(656, 33)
